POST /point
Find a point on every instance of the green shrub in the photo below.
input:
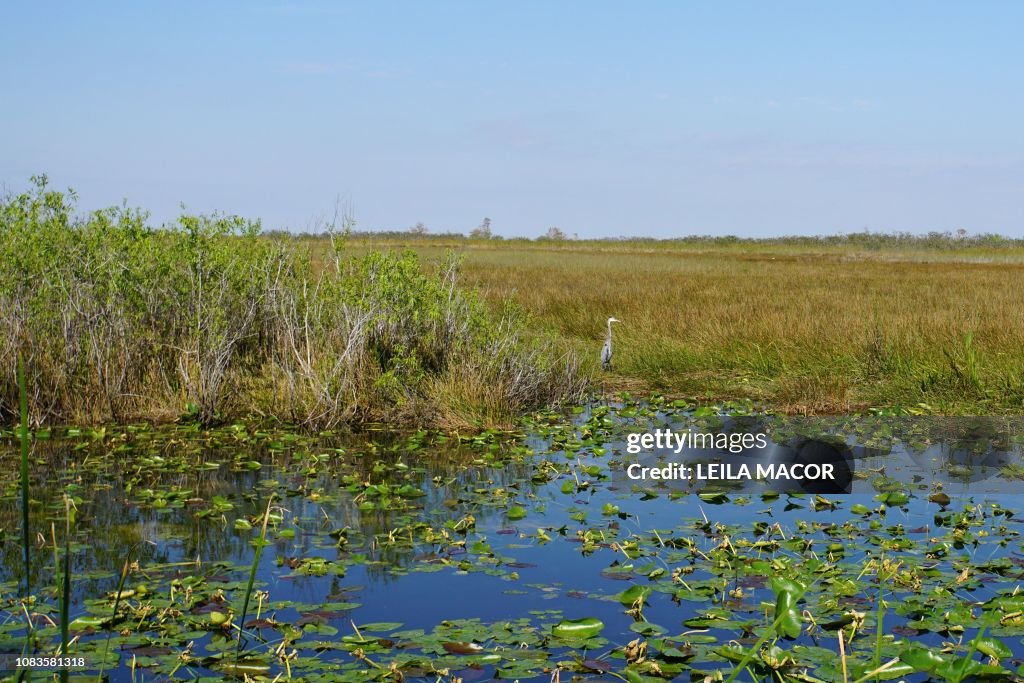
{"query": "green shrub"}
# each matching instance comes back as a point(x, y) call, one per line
point(210, 317)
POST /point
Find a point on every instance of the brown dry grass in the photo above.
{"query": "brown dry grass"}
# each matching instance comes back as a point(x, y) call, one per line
point(803, 329)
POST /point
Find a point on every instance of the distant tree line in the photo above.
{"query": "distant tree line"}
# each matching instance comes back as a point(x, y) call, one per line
point(959, 239)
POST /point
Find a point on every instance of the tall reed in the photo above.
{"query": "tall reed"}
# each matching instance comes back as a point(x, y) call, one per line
point(121, 581)
point(252, 579)
point(23, 432)
point(65, 594)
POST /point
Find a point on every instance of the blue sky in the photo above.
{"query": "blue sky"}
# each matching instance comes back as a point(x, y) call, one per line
point(604, 119)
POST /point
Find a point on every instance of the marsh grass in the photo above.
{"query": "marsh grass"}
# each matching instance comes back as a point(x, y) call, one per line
point(804, 326)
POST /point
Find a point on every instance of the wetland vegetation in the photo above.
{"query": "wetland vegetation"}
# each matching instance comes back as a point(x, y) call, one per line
point(208, 318)
point(211, 316)
point(208, 491)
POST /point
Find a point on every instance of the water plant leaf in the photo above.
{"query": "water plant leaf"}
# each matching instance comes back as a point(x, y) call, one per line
point(87, 622)
point(219, 618)
point(923, 658)
point(788, 621)
point(244, 668)
point(634, 595)
point(713, 497)
point(381, 626)
point(992, 647)
point(578, 628)
point(462, 648)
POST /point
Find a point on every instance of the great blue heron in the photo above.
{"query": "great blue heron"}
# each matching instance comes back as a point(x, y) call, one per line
point(606, 350)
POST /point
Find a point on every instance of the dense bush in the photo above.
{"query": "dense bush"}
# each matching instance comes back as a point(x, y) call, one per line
point(119, 320)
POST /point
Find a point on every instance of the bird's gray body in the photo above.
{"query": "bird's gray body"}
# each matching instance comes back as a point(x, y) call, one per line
point(606, 350)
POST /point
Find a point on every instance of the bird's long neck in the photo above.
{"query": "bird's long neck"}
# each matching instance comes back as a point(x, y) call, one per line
point(609, 329)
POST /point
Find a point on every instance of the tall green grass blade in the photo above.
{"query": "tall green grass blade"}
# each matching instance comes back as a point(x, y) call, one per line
point(252, 579)
point(774, 629)
point(65, 598)
point(117, 602)
point(23, 400)
point(973, 647)
point(23, 391)
point(879, 624)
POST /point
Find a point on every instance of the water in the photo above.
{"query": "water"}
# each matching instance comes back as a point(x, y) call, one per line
point(451, 546)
